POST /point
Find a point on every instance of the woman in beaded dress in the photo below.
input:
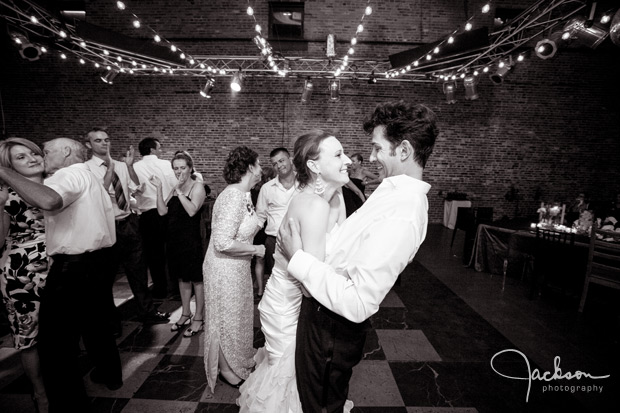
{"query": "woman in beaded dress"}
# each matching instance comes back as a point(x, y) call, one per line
point(229, 309)
point(23, 262)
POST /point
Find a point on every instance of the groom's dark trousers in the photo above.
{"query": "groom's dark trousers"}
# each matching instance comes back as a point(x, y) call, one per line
point(328, 346)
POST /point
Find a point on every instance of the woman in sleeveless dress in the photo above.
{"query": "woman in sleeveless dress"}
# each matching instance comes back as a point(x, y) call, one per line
point(318, 207)
point(23, 262)
point(229, 350)
point(184, 242)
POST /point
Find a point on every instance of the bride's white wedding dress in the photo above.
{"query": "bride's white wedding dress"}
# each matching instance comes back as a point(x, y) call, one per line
point(272, 387)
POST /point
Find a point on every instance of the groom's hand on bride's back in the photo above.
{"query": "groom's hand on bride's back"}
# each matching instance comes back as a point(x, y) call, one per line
point(289, 240)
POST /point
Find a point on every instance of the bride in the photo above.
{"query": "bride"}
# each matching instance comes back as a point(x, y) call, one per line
point(318, 208)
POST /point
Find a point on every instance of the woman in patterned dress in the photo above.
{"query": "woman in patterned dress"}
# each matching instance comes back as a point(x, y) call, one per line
point(229, 308)
point(23, 263)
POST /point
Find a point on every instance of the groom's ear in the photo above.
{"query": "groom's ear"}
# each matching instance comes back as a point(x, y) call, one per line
point(406, 150)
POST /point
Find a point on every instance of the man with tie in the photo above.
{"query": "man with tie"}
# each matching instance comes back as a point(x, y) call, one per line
point(120, 180)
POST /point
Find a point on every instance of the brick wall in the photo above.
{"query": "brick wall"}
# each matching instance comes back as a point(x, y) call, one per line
point(552, 128)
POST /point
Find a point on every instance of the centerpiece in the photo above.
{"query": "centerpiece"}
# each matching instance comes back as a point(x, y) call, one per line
point(551, 214)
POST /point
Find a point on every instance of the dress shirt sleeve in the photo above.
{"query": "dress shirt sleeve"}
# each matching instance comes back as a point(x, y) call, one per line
point(261, 206)
point(228, 214)
point(68, 185)
point(385, 250)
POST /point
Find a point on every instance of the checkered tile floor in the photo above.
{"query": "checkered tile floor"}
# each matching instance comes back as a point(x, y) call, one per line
point(429, 352)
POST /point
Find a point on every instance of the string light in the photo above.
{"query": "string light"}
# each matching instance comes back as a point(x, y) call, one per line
point(263, 44)
point(450, 39)
point(354, 40)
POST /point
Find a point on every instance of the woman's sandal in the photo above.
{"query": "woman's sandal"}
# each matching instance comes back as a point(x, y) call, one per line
point(223, 380)
point(177, 326)
point(191, 333)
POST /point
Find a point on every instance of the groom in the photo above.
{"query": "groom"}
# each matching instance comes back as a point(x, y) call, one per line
point(366, 255)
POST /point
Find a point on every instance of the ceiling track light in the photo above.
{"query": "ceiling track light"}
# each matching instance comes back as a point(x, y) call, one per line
point(109, 76)
point(372, 79)
point(503, 68)
point(307, 92)
point(449, 89)
point(208, 88)
point(334, 90)
point(470, 82)
point(235, 84)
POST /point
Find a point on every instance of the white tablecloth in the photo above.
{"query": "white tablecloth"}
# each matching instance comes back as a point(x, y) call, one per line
point(450, 209)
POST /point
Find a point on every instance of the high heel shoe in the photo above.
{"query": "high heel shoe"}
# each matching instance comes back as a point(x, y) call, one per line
point(177, 326)
point(191, 333)
point(223, 380)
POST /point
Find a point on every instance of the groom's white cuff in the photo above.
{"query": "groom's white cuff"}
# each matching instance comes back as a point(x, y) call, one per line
point(299, 265)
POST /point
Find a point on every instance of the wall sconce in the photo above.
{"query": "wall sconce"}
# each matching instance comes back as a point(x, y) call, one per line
point(235, 84)
point(449, 89)
point(109, 77)
point(307, 92)
point(469, 82)
point(334, 90)
point(208, 88)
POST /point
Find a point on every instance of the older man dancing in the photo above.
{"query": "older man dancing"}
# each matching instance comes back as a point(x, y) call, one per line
point(80, 230)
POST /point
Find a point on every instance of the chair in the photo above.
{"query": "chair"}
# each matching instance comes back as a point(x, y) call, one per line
point(465, 220)
point(554, 260)
point(520, 250)
point(603, 261)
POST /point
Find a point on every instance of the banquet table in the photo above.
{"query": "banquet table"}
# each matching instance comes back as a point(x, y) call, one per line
point(450, 210)
point(491, 249)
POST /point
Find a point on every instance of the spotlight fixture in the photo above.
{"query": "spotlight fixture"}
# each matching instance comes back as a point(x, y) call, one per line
point(27, 50)
point(372, 80)
point(469, 82)
point(500, 73)
point(109, 77)
point(235, 84)
point(585, 32)
point(548, 47)
point(449, 89)
point(307, 92)
point(208, 87)
point(334, 90)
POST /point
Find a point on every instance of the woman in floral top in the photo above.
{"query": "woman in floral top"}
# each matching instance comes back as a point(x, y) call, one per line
point(23, 262)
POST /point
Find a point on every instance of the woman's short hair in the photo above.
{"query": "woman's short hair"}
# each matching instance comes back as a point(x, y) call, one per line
point(184, 155)
point(307, 148)
point(238, 163)
point(358, 156)
point(7, 144)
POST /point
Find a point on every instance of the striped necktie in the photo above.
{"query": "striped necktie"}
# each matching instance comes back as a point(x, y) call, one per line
point(118, 191)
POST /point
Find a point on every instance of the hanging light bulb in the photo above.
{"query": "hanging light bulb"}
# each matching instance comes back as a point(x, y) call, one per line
point(208, 87)
point(368, 10)
point(157, 38)
point(235, 84)
point(372, 80)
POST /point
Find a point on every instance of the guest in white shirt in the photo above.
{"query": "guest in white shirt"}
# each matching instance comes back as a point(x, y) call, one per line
point(152, 225)
point(273, 200)
point(364, 256)
point(79, 221)
point(122, 181)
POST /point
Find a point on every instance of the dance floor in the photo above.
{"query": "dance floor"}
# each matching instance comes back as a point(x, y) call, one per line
point(443, 341)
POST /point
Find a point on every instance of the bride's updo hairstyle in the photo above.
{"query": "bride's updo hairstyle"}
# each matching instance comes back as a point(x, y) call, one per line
point(307, 148)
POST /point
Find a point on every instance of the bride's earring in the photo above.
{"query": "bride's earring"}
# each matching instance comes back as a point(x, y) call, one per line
point(319, 187)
